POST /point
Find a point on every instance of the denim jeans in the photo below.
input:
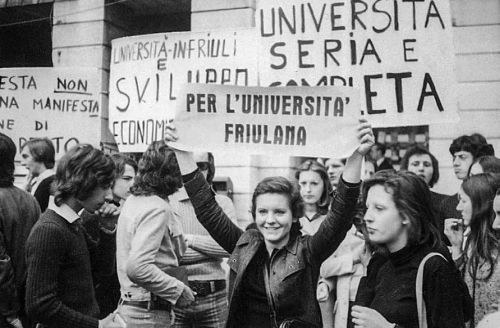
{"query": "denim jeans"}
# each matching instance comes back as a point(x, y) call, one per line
point(206, 312)
point(136, 317)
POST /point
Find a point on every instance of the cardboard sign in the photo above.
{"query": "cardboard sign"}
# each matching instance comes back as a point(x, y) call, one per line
point(147, 72)
point(60, 103)
point(398, 53)
point(292, 121)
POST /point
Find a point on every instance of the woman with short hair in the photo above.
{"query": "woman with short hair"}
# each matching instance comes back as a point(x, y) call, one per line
point(274, 269)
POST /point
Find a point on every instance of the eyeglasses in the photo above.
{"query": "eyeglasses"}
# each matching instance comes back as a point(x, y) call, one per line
point(203, 166)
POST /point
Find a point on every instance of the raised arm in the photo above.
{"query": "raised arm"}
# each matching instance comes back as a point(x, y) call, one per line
point(208, 212)
point(339, 218)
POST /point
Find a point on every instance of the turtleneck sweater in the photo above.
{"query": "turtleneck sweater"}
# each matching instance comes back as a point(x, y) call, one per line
point(389, 288)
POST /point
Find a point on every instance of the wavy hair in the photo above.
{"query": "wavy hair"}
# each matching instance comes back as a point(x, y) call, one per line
point(412, 198)
point(158, 172)
point(419, 150)
point(482, 244)
point(7, 155)
point(314, 166)
point(80, 171)
point(282, 186)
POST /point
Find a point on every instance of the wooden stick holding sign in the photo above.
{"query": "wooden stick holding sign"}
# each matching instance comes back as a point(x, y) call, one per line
point(293, 121)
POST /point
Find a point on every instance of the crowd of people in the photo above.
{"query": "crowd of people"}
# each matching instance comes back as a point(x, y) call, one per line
point(98, 240)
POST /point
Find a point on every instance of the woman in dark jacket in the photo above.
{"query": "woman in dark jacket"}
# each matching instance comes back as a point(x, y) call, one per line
point(274, 269)
point(398, 221)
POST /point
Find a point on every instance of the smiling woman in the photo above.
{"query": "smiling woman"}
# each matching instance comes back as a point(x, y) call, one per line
point(274, 269)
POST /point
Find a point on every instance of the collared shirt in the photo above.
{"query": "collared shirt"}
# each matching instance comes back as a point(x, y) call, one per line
point(65, 211)
point(35, 182)
point(149, 243)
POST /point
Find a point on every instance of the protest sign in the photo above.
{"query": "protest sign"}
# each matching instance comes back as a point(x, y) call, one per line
point(291, 121)
point(399, 53)
point(148, 70)
point(60, 103)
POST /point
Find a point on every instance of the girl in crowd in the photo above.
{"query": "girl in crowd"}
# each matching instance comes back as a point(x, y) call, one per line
point(338, 273)
point(485, 164)
point(149, 244)
point(421, 162)
point(274, 270)
point(478, 260)
point(398, 220)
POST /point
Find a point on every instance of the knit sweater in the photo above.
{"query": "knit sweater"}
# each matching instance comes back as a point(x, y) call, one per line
point(59, 290)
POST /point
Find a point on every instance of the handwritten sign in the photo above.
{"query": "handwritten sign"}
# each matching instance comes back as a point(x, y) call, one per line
point(62, 104)
point(292, 121)
point(147, 72)
point(399, 53)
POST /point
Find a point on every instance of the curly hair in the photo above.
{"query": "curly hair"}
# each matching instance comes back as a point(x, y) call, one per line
point(412, 198)
point(7, 155)
point(120, 161)
point(80, 171)
point(282, 186)
point(314, 166)
point(42, 150)
point(483, 244)
point(419, 150)
point(158, 172)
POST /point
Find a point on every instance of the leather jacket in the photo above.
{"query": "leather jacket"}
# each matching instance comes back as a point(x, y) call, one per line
point(293, 270)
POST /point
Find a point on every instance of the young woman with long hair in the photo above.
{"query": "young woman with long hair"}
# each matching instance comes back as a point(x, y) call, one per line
point(398, 221)
point(478, 256)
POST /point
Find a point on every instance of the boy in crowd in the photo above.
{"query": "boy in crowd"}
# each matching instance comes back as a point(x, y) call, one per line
point(377, 153)
point(38, 156)
point(59, 287)
point(18, 213)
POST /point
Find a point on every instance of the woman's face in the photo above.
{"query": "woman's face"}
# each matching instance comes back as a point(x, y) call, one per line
point(496, 210)
point(464, 207)
point(274, 219)
point(121, 188)
point(421, 165)
point(384, 223)
point(311, 187)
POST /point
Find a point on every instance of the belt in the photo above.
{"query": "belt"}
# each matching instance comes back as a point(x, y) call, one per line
point(204, 288)
point(155, 304)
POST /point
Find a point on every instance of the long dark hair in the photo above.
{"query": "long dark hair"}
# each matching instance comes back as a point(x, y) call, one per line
point(325, 199)
point(158, 172)
point(412, 198)
point(282, 186)
point(482, 246)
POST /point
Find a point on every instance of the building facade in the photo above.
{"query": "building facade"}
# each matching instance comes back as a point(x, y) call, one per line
point(79, 32)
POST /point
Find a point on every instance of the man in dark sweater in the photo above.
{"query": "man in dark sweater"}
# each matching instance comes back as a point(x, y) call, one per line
point(18, 213)
point(59, 288)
